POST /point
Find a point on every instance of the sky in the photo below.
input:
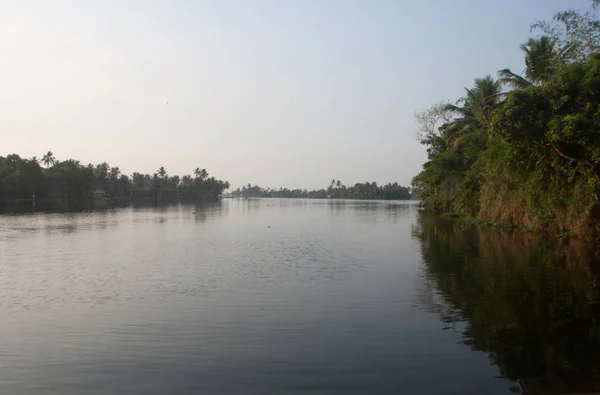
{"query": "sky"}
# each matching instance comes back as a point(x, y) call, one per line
point(288, 93)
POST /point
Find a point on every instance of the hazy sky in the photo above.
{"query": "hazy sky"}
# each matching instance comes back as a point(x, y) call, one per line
point(273, 92)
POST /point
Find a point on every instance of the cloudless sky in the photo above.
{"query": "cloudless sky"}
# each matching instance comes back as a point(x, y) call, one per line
point(272, 92)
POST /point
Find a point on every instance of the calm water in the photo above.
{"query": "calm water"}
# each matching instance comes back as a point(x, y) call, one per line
point(290, 297)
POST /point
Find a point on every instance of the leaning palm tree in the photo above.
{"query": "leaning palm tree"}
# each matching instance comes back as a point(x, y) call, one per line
point(541, 60)
point(48, 159)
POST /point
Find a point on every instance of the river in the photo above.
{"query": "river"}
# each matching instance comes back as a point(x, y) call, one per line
point(270, 296)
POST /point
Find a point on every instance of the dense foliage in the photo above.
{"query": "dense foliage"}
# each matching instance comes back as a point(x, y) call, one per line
point(69, 179)
point(336, 190)
point(524, 149)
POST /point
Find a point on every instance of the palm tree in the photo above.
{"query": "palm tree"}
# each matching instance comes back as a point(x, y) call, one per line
point(101, 171)
point(186, 181)
point(115, 172)
point(203, 174)
point(35, 160)
point(72, 163)
point(48, 159)
point(197, 172)
point(541, 60)
point(162, 172)
point(477, 106)
point(138, 180)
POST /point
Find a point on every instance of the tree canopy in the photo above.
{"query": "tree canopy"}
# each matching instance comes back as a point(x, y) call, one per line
point(336, 190)
point(22, 178)
point(524, 149)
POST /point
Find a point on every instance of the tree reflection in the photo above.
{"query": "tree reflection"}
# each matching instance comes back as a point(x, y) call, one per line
point(532, 304)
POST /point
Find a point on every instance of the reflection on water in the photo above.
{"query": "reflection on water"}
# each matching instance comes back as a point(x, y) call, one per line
point(281, 296)
point(533, 305)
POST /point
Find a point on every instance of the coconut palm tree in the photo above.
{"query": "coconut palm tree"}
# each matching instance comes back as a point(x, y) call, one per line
point(186, 181)
point(48, 159)
point(115, 172)
point(71, 163)
point(541, 61)
point(138, 180)
point(197, 172)
point(101, 171)
point(477, 106)
point(203, 174)
point(162, 173)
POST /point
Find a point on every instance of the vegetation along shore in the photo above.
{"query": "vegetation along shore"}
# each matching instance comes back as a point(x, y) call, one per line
point(49, 178)
point(336, 190)
point(524, 149)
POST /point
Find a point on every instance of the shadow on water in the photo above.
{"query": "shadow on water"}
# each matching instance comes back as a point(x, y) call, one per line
point(397, 208)
point(532, 304)
point(201, 211)
point(8, 207)
point(58, 217)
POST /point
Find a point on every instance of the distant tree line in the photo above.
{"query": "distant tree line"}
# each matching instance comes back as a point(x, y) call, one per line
point(50, 178)
point(336, 190)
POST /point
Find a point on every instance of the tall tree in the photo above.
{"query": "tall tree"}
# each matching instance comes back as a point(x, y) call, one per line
point(576, 34)
point(541, 61)
point(162, 173)
point(477, 105)
point(48, 159)
point(203, 174)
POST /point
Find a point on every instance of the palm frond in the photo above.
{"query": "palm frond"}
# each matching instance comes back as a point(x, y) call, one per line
point(509, 78)
point(456, 109)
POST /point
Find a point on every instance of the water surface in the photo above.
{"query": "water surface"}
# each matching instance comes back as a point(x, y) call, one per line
point(276, 296)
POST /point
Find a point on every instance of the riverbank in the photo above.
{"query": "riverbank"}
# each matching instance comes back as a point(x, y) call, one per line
point(546, 232)
point(523, 152)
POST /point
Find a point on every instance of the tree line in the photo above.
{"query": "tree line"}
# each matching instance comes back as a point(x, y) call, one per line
point(524, 148)
point(49, 178)
point(336, 190)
